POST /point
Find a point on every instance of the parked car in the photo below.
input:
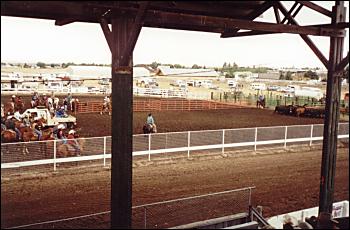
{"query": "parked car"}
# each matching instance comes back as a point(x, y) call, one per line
point(273, 88)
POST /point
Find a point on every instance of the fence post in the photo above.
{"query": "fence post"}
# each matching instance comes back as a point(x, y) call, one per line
point(149, 147)
point(223, 141)
point(250, 195)
point(188, 144)
point(256, 136)
point(54, 155)
point(285, 137)
point(104, 151)
point(312, 129)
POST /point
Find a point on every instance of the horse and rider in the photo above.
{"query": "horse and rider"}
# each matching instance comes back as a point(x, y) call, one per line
point(150, 126)
point(260, 101)
point(107, 105)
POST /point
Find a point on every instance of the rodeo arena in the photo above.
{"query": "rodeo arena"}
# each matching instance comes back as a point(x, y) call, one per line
point(133, 146)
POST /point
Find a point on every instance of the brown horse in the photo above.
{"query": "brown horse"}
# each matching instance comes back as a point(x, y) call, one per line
point(8, 136)
point(19, 106)
point(9, 108)
point(66, 150)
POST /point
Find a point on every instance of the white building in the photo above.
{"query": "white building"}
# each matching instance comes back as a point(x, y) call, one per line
point(100, 72)
point(186, 73)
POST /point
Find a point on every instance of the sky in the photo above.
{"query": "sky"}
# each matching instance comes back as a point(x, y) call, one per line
point(33, 40)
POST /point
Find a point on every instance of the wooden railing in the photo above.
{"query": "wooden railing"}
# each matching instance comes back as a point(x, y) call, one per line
point(144, 105)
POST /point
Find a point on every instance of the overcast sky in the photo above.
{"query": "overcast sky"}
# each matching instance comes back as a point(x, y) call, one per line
point(33, 40)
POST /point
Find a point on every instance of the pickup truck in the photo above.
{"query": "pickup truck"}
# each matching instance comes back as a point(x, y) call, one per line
point(69, 121)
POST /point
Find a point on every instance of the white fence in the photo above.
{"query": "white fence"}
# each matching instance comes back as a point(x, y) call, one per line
point(158, 92)
point(51, 153)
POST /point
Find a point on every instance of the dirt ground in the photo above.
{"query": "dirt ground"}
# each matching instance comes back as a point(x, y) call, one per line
point(284, 181)
point(173, 121)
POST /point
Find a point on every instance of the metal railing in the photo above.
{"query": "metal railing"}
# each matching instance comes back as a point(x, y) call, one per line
point(166, 214)
point(175, 144)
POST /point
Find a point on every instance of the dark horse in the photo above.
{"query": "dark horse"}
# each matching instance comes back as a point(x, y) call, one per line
point(148, 129)
point(260, 103)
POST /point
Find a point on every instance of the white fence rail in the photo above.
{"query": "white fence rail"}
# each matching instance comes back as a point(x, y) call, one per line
point(41, 153)
point(158, 92)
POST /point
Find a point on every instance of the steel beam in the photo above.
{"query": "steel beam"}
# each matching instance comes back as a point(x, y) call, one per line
point(122, 116)
point(330, 132)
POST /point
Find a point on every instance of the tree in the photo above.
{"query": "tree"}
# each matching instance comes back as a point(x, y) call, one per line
point(310, 74)
point(195, 66)
point(288, 75)
point(41, 64)
point(282, 77)
point(155, 64)
point(26, 65)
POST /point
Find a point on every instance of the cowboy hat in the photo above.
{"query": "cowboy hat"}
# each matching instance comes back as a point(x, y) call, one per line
point(61, 126)
point(71, 131)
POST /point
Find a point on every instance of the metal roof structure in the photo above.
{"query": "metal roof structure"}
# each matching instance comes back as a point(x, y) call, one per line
point(228, 18)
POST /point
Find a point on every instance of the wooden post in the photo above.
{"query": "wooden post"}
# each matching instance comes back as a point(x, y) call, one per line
point(121, 159)
point(330, 132)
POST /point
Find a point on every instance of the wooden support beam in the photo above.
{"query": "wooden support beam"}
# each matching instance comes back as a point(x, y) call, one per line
point(135, 31)
point(122, 116)
point(330, 131)
point(265, 6)
point(307, 40)
point(62, 22)
point(342, 64)
point(261, 26)
point(277, 14)
point(107, 32)
point(316, 7)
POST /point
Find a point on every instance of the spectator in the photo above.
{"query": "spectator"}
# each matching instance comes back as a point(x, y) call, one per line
point(38, 128)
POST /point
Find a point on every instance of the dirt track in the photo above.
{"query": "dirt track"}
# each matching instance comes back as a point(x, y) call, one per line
point(284, 182)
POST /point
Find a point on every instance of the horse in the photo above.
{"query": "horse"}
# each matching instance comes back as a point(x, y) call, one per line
point(107, 107)
point(9, 108)
point(65, 150)
point(8, 136)
point(260, 103)
point(147, 128)
point(19, 106)
point(299, 110)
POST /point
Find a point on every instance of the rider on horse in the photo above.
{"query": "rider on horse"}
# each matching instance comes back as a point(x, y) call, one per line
point(150, 122)
point(261, 101)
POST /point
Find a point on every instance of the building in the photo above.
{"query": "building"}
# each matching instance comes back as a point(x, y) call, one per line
point(100, 72)
point(186, 73)
point(269, 75)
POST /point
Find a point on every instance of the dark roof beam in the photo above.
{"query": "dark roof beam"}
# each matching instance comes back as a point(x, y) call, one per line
point(134, 33)
point(265, 6)
point(277, 14)
point(62, 22)
point(317, 8)
point(107, 32)
point(214, 22)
